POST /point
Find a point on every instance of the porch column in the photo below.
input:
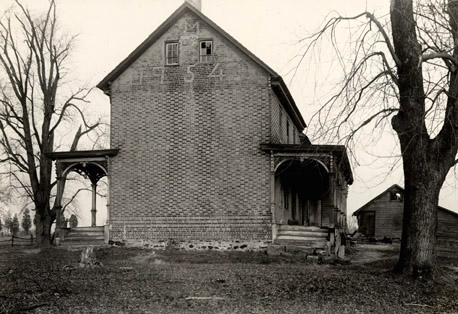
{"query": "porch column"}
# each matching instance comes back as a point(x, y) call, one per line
point(94, 204)
point(60, 190)
point(106, 230)
point(273, 206)
point(108, 201)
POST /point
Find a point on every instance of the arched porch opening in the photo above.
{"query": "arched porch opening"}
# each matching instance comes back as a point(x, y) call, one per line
point(300, 186)
point(95, 172)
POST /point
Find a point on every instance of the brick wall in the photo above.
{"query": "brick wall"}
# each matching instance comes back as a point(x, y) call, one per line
point(190, 167)
point(279, 128)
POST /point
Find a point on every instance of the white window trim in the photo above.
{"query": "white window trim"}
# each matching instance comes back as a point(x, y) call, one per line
point(205, 58)
point(175, 43)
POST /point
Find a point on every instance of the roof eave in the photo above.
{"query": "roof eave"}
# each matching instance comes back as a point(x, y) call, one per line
point(282, 91)
point(448, 211)
point(105, 83)
point(376, 198)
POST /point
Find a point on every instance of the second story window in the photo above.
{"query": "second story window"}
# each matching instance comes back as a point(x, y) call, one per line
point(171, 53)
point(206, 51)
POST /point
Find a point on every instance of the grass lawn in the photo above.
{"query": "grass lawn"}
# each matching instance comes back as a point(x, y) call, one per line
point(145, 281)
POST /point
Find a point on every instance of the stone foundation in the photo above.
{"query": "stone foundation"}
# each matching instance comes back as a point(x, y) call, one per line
point(198, 245)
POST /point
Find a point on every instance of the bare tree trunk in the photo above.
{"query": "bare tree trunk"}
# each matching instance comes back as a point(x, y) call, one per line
point(43, 228)
point(424, 174)
point(423, 73)
point(417, 254)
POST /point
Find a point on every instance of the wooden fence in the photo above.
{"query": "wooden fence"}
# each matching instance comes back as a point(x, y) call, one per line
point(18, 241)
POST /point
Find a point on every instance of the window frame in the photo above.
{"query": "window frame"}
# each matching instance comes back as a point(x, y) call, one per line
point(166, 56)
point(208, 58)
point(396, 196)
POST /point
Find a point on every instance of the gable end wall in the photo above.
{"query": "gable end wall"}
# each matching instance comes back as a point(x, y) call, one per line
point(190, 168)
point(388, 217)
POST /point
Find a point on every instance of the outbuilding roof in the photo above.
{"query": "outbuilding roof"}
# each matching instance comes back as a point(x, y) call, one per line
point(392, 188)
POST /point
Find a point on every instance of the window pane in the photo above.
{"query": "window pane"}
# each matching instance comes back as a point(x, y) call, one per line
point(206, 52)
point(171, 53)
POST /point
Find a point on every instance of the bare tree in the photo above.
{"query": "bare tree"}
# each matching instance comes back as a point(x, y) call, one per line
point(402, 68)
point(8, 221)
point(15, 225)
point(26, 221)
point(35, 101)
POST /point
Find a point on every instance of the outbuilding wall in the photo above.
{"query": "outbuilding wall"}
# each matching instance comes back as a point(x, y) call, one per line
point(447, 232)
point(388, 216)
point(388, 221)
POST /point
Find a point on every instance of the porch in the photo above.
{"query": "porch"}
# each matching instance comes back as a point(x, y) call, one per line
point(92, 165)
point(309, 188)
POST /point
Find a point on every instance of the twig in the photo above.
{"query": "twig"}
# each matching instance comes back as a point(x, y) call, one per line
point(24, 309)
point(205, 298)
point(417, 304)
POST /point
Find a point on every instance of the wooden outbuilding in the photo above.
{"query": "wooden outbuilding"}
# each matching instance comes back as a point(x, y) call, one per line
point(382, 217)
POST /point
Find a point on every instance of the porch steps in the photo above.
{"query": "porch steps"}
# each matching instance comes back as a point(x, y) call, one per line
point(302, 237)
point(84, 236)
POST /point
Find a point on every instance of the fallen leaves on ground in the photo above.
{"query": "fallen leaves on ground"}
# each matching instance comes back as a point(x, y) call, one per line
point(136, 280)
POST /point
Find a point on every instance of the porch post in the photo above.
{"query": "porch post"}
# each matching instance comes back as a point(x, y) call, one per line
point(60, 188)
point(273, 206)
point(94, 204)
point(108, 201)
point(106, 231)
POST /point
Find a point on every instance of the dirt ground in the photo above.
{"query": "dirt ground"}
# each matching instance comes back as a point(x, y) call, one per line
point(144, 281)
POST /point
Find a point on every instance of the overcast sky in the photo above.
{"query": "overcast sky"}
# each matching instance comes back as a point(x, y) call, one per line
point(110, 29)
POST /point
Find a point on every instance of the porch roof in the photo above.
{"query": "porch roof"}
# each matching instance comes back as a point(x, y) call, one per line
point(82, 154)
point(338, 151)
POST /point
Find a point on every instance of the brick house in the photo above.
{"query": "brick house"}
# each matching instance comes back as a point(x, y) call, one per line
point(209, 147)
point(382, 217)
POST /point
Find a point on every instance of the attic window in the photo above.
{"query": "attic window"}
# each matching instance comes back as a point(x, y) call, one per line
point(396, 196)
point(206, 51)
point(171, 53)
